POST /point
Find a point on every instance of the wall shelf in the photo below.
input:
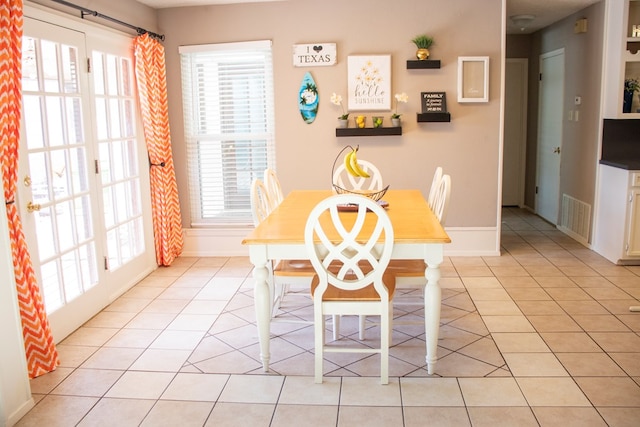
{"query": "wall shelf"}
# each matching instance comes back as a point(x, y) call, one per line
point(414, 64)
point(369, 131)
point(434, 117)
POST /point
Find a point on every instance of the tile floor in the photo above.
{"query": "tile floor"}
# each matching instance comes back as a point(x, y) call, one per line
point(540, 336)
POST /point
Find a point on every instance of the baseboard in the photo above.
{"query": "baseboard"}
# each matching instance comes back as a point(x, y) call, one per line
point(19, 413)
point(208, 242)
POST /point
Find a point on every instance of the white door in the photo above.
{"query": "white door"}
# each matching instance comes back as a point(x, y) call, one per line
point(550, 116)
point(515, 132)
point(74, 170)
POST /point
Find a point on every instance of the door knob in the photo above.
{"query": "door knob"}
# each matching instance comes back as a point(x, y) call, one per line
point(33, 206)
point(557, 150)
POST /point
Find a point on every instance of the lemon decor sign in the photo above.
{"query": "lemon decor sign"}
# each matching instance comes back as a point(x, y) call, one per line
point(314, 55)
point(369, 82)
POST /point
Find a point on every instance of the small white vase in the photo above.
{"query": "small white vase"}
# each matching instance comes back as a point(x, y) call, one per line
point(343, 123)
point(395, 122)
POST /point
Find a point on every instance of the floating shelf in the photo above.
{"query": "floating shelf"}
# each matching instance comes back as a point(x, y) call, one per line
point(369, 131)
point(413, 64)
point(434, 117)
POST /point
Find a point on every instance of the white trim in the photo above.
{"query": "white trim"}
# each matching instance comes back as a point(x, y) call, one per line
point(258, 44)
point(201, 242)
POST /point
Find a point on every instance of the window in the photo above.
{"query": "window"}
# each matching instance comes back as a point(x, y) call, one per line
point(227, 92)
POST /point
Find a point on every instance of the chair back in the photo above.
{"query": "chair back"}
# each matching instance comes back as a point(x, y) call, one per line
point(342, 178)
point(260, 203)
point(437, 176)
point(441, 198)
point(357, 245)
point(272, 183)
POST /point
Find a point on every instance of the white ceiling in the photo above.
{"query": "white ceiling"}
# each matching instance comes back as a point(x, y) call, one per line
point(546, 12)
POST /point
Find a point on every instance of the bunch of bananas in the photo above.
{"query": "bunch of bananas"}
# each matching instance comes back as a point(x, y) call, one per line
point(352, 166)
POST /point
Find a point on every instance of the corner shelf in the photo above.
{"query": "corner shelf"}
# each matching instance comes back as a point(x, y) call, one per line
point(369, 131)
point(434, 117)
point(414, 64)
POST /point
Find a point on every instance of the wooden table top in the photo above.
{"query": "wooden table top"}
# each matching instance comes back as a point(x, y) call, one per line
point(412, 219)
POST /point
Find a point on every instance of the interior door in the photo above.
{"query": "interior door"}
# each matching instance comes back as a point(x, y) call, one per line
point(81, 172)
point(515, 132)
point(550, 118)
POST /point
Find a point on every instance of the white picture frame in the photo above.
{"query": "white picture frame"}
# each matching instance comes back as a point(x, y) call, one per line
point(473, 79)
point(369, 82)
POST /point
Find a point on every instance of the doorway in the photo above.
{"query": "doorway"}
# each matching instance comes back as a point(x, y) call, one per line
point(515, 131)
point(550, 121)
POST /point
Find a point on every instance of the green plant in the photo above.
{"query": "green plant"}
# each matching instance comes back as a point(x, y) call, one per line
point(400, 97)
point(422, 41)
point(337, 100)
point(631, 85)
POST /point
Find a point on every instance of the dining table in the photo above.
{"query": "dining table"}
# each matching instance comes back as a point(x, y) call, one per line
point(417, 235)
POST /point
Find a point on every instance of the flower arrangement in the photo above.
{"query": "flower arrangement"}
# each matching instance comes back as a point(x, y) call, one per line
point(422, 41)
point(400, 97)
point(337, 100)
point(631, 85)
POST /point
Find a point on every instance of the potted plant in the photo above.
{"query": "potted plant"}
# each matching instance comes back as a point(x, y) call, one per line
point(423, 42)
point(344, 117)
point(395, 117)
point(631, 86)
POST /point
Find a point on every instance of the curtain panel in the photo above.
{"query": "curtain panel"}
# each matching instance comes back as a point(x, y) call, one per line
point(152, 92)
point(40, 350)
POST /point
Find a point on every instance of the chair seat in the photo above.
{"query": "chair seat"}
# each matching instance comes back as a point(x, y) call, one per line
point(368, 293)
point(294, 267)
point(407, 267)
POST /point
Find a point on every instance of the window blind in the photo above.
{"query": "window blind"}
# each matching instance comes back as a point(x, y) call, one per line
point(228, 105)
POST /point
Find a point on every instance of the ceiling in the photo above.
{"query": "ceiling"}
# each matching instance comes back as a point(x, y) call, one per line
point(546, 12)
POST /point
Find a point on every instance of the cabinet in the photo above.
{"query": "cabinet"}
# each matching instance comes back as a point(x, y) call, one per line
point(617, 231)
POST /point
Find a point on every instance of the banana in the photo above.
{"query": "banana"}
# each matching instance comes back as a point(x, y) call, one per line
point(357, 170)
point(347, 162)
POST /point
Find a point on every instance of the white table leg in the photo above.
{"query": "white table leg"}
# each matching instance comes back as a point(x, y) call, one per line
point(262, 301)
point(432, 303)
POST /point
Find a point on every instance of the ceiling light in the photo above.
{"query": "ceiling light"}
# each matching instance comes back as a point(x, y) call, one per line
point(522, 21)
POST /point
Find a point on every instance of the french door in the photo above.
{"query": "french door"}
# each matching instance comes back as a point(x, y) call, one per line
point(81, 172)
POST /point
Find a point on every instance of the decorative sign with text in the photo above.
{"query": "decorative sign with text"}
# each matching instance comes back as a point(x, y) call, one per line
point(434, 102)
point(369, 82)
point(314, 55)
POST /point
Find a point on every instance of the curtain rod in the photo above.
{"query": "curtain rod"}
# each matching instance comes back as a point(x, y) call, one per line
point(84, 12)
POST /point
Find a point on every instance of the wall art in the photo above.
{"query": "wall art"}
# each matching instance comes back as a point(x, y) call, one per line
point(473, 79)
point(308, 98)
point(369, 82)
point(314, 55)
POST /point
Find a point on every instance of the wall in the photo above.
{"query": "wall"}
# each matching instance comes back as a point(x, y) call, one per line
point(468, 147)
point(583, 73)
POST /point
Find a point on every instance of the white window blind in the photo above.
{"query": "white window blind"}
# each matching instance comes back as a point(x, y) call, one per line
point(229, 127)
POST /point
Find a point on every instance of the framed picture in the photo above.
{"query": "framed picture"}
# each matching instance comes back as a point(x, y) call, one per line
point(434, 102)
point(473, 79)
point(369, 82)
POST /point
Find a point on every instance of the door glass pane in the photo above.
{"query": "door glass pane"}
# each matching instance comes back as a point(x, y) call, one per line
point(118, 159)
point(57, 155)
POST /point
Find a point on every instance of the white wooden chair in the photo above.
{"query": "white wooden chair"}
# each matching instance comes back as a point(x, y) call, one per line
point(343, 179)
point(273, 187)
point(437, 176)
point(411, 273)
point(357, 282)
point(260, 203)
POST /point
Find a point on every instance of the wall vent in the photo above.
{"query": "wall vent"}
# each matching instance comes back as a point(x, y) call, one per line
point(576, 218)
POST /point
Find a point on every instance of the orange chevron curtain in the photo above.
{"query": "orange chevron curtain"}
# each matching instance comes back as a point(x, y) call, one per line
point(41, 353)
point(152, 92)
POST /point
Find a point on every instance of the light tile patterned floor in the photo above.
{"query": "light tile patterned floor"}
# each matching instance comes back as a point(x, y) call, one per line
point(539, 336)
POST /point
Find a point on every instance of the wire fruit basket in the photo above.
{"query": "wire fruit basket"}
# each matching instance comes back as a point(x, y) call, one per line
point(375, 195)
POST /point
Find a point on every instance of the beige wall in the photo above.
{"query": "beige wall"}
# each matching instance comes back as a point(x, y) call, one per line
point(583, 73)
point(467, 147)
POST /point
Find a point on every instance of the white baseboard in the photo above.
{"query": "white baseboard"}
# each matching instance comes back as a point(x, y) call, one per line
point(19, 413)
point(204, 242)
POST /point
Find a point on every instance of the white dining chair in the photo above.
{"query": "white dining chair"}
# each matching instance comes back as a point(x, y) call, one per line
point(411, 272)
point(272, 183)
point(343, 179)
point(351, 275)
point(260, 203)
point(435, 182)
